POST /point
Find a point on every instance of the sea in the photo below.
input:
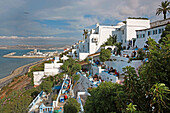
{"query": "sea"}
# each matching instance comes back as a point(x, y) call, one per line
point(8, 65)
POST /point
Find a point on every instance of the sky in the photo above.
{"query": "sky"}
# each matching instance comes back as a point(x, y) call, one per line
point(44, 22)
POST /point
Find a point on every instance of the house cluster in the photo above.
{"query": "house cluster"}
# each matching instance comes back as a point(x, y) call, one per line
point(132, 33)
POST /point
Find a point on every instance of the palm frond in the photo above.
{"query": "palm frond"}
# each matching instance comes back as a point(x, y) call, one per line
point(159, 11)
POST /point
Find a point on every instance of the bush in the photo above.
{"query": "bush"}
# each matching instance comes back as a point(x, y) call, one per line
point(104, 55)
point(71, 106)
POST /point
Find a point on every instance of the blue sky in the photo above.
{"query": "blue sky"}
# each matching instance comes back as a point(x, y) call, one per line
point(65, 19)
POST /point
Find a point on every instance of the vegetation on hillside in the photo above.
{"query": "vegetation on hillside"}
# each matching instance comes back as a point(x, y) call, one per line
point(145, 91)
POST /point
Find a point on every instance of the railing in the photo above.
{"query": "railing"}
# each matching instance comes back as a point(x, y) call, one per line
point(81, 105)
point(46, 109)
point(35, 100)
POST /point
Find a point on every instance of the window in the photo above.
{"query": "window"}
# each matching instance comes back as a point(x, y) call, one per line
point(123, 32)
point(160, 31)
point(154, 32)
point(137, 36)
point(149, 33)
point(143, 35)
point(110, 79)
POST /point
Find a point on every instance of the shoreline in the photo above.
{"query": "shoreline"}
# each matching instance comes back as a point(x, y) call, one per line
point(17, 72)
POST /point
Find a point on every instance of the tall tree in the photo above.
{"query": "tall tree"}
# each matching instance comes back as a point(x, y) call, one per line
point(163, 8)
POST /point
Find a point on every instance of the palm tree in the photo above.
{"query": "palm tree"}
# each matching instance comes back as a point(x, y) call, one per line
point(163, 8)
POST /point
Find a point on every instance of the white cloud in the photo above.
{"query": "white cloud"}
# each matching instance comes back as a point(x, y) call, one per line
point(15, 22)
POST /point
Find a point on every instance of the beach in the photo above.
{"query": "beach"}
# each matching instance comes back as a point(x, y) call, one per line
point(17, 72)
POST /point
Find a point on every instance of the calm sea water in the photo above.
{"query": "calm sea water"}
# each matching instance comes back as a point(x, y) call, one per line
point(7, 65)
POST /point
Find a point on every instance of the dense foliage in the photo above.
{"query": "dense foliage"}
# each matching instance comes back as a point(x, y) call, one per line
point(106, 98)
point(71, 106)
point(165, 34)
point(104, 55)
point(17, 101)
point(70, 67)
point(145, 90)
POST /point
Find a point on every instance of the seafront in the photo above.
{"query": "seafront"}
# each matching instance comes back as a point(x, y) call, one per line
point(17, 72)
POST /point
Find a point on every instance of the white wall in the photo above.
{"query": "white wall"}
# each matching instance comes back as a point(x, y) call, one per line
point(140, 42)
point(130, 30)
point(157, 36)
point(38, 75)
point(51, 69)
point(119, 64)
point(83, 56)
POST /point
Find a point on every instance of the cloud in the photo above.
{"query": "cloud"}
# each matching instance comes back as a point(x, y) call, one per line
point(69, 17)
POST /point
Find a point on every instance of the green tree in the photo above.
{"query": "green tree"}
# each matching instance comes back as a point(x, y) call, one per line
point(157, 68)
point(106, 98)
point(16, 102)
point(70, 67)
point(159, 94)
point(165, 34)
point(76, 77)
point(119, 47)
point(163, 8)
point(71, 106)
point(104, 55)
point(46, 86)
point(110, 41)
point(136, 89)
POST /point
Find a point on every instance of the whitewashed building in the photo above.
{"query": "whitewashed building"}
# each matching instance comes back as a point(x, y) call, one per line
point(51, 69)
point(38, 76)
point(155, 31)
point(127, 32)
point(96, 37)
